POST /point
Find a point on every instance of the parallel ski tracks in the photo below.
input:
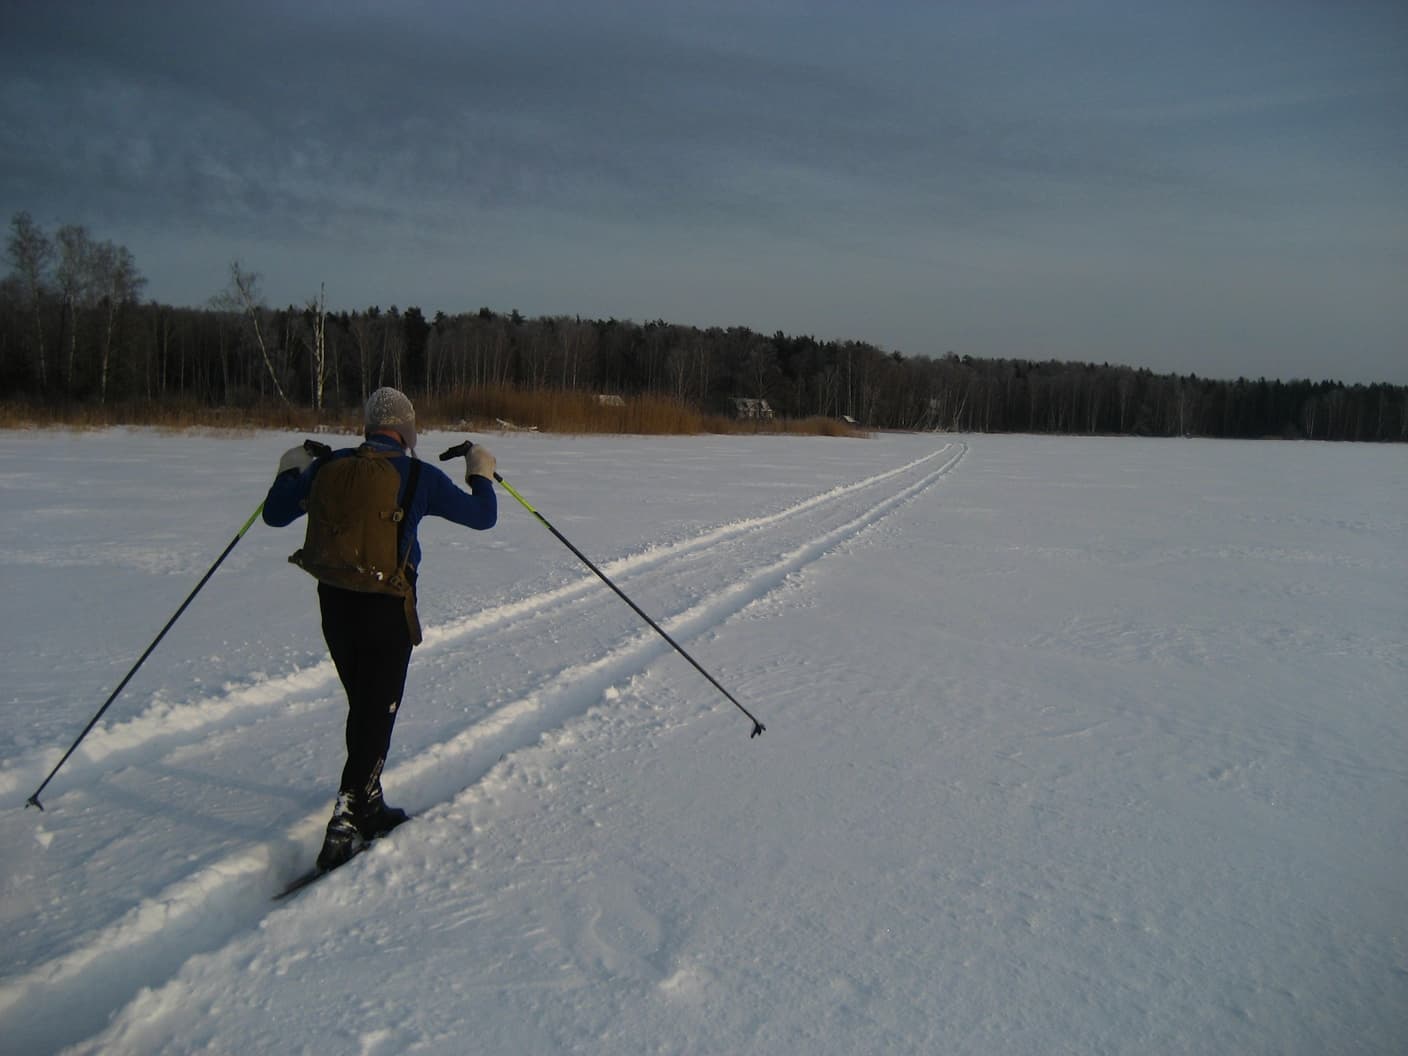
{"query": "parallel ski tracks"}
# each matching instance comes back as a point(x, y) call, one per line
point(223, 898)
point(171, 726)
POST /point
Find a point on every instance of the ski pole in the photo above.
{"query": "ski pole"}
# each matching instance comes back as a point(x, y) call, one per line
point(315, 449)
point(463, 449)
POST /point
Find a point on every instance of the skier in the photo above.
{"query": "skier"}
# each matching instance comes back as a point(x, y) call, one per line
point(368, 601)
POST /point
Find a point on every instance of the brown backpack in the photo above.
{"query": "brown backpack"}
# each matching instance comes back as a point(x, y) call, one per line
point(355, 516)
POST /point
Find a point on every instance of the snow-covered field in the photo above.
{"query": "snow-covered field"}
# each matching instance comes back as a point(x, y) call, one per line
point(1074, 746)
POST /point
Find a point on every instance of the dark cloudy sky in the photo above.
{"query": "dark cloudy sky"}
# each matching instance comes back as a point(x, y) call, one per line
point(1216, 186)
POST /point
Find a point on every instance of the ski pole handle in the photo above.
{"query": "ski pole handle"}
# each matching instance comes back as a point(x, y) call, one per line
point(463, 448)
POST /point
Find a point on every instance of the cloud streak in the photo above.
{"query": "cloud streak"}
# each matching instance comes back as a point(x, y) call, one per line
point(1007, 178)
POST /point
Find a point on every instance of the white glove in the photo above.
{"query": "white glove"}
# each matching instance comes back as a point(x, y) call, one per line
point(480, 462)
point(294, 458)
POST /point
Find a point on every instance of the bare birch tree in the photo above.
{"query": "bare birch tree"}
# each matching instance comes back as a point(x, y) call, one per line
point(318, 310)
point(75, 278)
point(118, 283)
point(244, 289)
point(31, 254)
point(362, 336)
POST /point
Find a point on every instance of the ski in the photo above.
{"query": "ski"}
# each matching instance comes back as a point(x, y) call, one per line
point(307, 878)
point(314, 874)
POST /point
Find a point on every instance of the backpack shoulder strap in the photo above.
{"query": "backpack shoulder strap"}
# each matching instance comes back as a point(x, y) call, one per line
point(412, 479)
point(412, 617)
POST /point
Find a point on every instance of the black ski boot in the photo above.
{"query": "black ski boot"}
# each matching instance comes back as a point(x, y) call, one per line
point(375, 818)
point(344, 837)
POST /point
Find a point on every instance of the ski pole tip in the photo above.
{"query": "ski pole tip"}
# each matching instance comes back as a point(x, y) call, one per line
point(758, 729)
point(33, 801)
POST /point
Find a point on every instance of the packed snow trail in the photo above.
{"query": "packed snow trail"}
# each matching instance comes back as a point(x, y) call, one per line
point(1074, 745)
point(198, 910)
point(167, 726)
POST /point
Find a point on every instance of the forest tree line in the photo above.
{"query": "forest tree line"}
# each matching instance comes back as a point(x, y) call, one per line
point(74, 330)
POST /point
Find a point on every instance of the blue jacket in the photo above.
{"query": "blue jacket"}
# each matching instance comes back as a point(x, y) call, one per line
point(436, 495)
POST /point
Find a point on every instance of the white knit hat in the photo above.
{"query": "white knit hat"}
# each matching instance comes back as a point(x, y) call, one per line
point(389, 408)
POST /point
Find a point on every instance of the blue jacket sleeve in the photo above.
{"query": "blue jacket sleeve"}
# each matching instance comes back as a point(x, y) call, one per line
point(284, 503)
point(477, 508)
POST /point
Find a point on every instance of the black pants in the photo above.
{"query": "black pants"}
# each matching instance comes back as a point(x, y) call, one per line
point(371, 648)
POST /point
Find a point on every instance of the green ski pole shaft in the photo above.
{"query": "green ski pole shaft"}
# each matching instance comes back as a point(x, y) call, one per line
point(33, 800)
point(314, 448)
point(758, 727)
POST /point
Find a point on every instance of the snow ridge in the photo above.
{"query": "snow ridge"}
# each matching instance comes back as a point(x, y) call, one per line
point(217, 901)
point(164, 726)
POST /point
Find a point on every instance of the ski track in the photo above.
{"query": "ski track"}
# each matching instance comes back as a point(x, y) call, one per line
point(166, 726)
point(70, 997)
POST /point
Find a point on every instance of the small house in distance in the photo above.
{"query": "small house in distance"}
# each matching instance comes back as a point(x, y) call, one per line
point(752, 409)
point(604, 400)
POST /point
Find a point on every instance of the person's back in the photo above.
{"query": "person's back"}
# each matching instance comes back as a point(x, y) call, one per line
point(361, 544)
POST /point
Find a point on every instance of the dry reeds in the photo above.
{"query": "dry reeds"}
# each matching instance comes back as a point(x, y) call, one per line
point(174, 414)
point(568, 411)
point(483, 409)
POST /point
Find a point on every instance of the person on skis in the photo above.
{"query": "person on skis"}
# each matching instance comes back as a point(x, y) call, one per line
point(361, 545)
